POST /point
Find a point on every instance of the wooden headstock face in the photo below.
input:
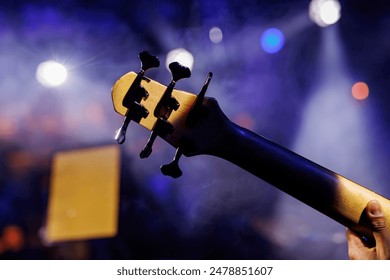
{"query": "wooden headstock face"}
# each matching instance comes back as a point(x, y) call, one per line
point(156, 90)
point(178, 117)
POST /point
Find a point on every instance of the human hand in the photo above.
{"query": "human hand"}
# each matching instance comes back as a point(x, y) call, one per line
point(358, 249)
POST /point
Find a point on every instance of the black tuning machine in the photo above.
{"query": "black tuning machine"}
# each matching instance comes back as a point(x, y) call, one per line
point(136, 93)
point(165, 106)
point(196, 113)
point(162, 127)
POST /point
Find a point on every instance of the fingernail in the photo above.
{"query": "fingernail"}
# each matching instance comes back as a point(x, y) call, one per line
point(375, 208)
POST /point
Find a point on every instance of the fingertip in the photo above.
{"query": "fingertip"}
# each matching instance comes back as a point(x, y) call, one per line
point(374, 208)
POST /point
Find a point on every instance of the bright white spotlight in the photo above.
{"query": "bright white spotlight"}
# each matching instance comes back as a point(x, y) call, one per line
point(325, 12)
point(180, 55)
point(51, 73)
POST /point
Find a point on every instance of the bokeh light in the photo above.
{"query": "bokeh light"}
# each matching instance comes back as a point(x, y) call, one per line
point(180, 55)
point(272, 40)
point(360, 90)
point(51, 73)
point(216, 35)
point(324, 12)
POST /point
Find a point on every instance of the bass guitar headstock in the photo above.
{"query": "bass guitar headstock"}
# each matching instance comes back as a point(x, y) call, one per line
point(167, 112)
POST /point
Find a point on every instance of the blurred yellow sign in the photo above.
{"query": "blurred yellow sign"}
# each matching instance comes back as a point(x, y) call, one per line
point(84, 194)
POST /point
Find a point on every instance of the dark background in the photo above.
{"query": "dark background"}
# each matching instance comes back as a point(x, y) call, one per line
point(299, 97)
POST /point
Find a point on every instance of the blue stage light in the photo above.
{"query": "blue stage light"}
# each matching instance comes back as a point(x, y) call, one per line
point(272, 40)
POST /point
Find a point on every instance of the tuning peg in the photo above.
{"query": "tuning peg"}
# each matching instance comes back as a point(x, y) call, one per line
point(161, 128)
point(147, 150)
point(148, 61)
point(168, 103)
point(172, 169)
point(165, 106)
point(136, 111)
point(179, 71)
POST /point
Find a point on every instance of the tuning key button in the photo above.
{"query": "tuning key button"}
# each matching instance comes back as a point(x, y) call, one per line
point(136, 93)
point(172, 169)
point(148, 61)
point(179, 71)
point(147, 150)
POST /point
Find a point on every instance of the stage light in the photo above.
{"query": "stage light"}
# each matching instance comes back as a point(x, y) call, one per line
point(180, 55)
point(324, 12)
point(215, 35)
point(8, 128)
point(360, 91)
point(272, 40)
point(51, 73)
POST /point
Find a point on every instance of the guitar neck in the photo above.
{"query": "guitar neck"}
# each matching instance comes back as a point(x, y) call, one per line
point(213, 133)
point(324, 190)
